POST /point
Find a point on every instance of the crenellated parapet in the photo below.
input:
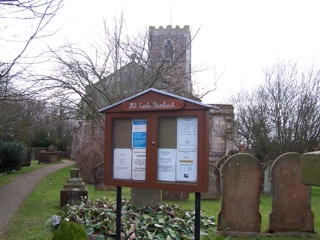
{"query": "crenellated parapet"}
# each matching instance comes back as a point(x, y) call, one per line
point(164, 30)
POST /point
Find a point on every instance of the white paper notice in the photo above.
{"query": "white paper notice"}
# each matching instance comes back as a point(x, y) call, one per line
point(122, 163)
point(187, 131)
point(139, 164)
point(186, 165)
point(167, 164)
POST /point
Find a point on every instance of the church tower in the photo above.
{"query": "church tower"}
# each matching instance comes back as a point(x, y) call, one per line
point(170, 58)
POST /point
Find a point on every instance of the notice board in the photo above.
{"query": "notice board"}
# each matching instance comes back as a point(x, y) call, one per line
point(157, 140)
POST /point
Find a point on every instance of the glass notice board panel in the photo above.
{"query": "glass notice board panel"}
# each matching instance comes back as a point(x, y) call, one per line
point(177, 149)
point(129, 148)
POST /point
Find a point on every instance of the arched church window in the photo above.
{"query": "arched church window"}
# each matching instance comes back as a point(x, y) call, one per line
point(168, 50)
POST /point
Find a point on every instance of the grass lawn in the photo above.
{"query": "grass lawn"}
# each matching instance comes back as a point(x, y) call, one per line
point(44, 202)
point(6, 178)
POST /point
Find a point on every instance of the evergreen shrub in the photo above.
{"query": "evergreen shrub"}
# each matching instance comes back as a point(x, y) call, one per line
point(70, 231)
point(11, 154)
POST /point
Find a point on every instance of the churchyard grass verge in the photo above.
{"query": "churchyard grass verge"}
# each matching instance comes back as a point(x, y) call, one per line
point(45, 200)
point(6, 178)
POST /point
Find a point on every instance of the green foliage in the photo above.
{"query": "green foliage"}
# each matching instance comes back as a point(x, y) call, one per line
point(70, 231)
point(41, 139)
point(7, 178)
point(218, 237)
point(28, 223)
point(11, 153)
point(162, 221)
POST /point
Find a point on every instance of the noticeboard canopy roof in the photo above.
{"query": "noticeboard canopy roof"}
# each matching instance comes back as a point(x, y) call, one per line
point(159, 92)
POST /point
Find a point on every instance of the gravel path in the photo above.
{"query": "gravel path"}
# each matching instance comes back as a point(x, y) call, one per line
point(14, 193)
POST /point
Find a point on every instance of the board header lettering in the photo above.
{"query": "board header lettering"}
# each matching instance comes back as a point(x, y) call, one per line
point(152, 105)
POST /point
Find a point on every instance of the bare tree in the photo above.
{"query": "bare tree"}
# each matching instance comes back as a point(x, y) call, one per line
point(281, 115)
point(22, 23)
point(36, 123)
point(111, 69)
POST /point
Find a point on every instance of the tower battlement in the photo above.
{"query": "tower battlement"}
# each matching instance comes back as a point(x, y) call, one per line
point(169, 28)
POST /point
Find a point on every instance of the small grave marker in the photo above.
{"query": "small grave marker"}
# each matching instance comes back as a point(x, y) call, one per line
point(214, 183)
point(267, 186)
point(73, 189)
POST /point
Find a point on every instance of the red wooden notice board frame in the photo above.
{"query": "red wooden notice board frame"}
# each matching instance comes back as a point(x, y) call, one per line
point(170, 124)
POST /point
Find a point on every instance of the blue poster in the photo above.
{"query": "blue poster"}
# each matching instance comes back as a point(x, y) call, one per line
point(139, 133)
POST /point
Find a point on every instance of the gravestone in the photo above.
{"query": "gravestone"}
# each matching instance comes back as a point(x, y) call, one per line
point(98, 178)
point(141, 196)
point(267, 186)
point(222, 161)
point(36, 152)
point(73, 190)
point(291, 200)
point(310, 168)
point(47, 157)
point(241, 177)
point(174, 195)
point(214, 183)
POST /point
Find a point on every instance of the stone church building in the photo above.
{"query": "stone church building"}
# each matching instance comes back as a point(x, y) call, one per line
point(169, 69)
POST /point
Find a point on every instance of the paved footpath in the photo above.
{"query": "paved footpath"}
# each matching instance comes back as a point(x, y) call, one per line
point(14, 193)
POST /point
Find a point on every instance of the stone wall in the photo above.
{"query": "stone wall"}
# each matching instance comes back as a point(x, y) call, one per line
point(221, 138)
point(178, 72)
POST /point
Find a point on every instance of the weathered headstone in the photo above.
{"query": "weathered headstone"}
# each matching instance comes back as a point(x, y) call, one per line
point(222, 161)
point(241, 177)
point(47, 157)
point(214, 183)
point(36, 152)
point(291, 200)
point(267, 186)
point(98, 178)
point(174, 195)
point(310, 168)
point(141, 196)
point(73, 189)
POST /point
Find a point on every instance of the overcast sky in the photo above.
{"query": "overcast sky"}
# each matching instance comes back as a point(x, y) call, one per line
point(237, 38)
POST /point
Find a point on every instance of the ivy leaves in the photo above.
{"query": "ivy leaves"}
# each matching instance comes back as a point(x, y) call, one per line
point(160, 221)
